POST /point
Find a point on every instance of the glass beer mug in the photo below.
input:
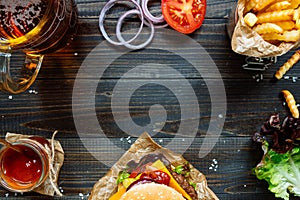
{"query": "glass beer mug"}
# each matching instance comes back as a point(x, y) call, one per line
point(36, 27)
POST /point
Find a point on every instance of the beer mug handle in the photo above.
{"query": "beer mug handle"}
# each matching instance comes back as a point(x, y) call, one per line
point(29, 71)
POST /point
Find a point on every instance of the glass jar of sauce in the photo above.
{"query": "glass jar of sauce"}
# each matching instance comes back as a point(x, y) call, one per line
point(25, 166)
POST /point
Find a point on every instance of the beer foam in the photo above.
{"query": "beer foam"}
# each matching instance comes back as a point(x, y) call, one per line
point(21, 15)
point(15, 3)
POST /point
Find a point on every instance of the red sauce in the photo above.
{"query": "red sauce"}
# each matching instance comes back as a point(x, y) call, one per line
point(21, 169)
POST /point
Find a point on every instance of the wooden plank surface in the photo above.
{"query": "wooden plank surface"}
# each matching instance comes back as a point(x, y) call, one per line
point(249, 103)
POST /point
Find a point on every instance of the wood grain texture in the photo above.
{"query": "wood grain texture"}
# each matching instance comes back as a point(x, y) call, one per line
point(249, 103)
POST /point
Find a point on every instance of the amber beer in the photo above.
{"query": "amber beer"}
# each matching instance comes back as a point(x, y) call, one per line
point(36, 27)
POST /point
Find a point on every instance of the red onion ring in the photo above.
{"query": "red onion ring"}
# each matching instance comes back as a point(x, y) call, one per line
point(127, 43)
point(148, 15)
point(155, 26)
point(103, 12)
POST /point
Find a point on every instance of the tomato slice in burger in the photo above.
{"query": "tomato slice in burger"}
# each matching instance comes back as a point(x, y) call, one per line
point(157, 176)
point(184, 16)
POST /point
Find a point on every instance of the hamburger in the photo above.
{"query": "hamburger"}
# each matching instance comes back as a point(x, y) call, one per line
point(154, 177)
point(152, 191)
point(148, 165)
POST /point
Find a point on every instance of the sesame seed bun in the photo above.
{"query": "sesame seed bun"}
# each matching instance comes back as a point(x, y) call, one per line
point(152, 191)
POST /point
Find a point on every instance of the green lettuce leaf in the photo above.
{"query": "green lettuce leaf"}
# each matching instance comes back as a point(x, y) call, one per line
point(281, 171)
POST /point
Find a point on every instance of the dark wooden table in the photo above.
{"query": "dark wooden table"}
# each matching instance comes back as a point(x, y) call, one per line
point(49, 105)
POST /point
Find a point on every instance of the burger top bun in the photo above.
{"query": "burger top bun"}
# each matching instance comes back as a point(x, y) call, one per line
point(152, 191)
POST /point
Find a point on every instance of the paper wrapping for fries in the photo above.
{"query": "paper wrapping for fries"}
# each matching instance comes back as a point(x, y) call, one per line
point(247, 42)
point(144, 145)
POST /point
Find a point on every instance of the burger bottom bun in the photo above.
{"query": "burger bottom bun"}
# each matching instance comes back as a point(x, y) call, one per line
point(152, 191)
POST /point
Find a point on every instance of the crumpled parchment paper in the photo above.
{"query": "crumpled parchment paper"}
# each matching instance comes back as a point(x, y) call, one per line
point(144, 145)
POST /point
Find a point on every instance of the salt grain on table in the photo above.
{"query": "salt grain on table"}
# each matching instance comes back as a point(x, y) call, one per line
point(214, 165)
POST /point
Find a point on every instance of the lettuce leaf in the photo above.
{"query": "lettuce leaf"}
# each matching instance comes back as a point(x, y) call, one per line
point(280, 170)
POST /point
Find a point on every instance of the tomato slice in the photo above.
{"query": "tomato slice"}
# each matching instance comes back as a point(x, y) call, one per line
point(157, 176)
point(184, 16)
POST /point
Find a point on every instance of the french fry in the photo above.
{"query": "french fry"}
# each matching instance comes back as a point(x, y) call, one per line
point(250, 19)
point(286, 36)
point(290, 100)
point(286, 25)
point(250, 4)
point(275, 21)
point(287, 65)
point(291, 36)
point(296, 14)
point(275, 16)
point(268, 28)
point(297, 25)
point(262, 4)
point(281, 5)
point(294, 4)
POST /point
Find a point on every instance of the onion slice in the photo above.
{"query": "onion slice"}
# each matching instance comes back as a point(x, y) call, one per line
point(158, 21)
point(141, 9)
point(103, 12)
point(127, 43)
point(148, 15)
